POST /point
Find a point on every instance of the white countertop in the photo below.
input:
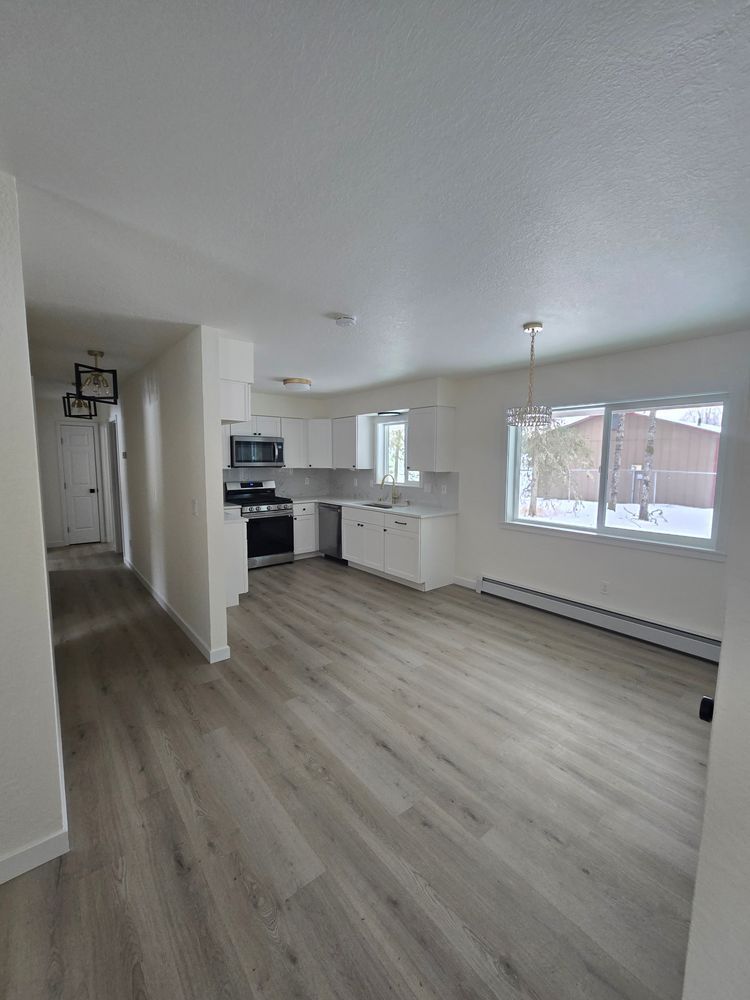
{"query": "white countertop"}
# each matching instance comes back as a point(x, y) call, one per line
point(414, 510)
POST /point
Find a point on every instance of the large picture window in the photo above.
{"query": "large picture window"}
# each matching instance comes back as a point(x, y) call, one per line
point(648, 470)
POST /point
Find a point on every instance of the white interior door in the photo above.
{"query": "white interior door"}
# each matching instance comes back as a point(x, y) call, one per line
point(79, 484)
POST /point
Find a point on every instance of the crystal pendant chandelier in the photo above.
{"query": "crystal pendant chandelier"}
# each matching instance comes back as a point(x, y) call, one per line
point(531, 414)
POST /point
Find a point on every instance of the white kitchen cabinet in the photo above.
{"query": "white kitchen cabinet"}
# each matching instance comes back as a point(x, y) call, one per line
point(236, 360)
point(431, 439)
point(258, 425)
point(226, 451)
point(319, 443)
point(234, 401)
point(236, 373)
point(402, 554)
point(300, 507)
point(305, 534)
point(374, 548)
point(352, 442)
point(235, 560)
point(362, 537)
point(362, 544)
point(419, 551)
point(294, 432)
point(267, 426)
point(352, 542)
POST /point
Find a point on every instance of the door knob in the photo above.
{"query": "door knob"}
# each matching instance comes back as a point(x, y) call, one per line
point(92, 491)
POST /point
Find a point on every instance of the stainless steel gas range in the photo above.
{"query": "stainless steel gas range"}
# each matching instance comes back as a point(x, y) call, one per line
point(270, 522)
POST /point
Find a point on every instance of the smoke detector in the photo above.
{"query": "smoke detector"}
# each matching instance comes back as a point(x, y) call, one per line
point(297, 384)
point(344, 319)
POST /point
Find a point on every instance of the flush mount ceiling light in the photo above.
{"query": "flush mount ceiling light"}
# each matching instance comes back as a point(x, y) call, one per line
point(344, 319)
point(297, 384)
point(532, 415)
point(93, 382)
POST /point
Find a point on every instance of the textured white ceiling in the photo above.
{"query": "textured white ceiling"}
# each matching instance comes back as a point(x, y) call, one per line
point(443, 169)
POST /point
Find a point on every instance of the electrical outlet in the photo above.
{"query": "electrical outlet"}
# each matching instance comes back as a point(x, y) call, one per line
point(355, 480)
point(428, 487)
point(307, 480)
point(194, 503)
point(444, 489)
point(604, 587)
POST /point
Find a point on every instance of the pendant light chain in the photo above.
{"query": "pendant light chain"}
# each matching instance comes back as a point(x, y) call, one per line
point(531, 415)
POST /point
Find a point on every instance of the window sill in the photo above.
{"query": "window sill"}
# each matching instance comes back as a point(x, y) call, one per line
point(645, 545)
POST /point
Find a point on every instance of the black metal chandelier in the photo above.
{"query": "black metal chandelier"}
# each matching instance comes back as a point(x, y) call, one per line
point(96, 383)
point(77, 408)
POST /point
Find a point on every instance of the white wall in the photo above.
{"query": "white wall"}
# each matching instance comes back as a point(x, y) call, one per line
point(718, 962)
point(676, 590)
point(172, 485)
point(33, 823)
point(48, 413)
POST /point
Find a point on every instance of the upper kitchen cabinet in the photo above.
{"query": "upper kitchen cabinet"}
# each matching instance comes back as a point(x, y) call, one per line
point(319, 443)
point(294, 432)
point(236, 360)
point(432, 439)
point(352, 443)
point(267, 426)
point(236, 374)
point(234, 401)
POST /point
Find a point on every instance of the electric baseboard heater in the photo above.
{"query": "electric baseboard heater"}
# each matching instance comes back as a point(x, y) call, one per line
point(612, 621)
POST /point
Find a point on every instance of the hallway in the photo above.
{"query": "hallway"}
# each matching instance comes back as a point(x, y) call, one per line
point(382, 794)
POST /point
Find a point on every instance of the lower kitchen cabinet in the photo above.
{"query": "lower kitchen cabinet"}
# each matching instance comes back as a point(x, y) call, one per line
point(362, 543)
point(408, 549)
point(235, 560)
point(305, 528)
point(402, 554)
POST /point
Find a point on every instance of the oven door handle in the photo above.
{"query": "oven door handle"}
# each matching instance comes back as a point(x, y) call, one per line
point(262, 515)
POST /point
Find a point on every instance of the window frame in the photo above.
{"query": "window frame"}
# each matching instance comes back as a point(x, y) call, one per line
point(624, 535)
point(380, 425)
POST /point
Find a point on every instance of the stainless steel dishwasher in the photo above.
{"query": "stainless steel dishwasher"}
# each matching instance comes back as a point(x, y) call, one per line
point(329, 529)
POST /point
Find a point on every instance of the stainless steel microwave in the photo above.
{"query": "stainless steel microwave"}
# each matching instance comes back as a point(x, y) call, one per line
point(257, 450)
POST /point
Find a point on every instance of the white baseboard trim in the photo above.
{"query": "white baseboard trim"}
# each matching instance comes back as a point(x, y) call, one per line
point(212, 655)
point(636, 628)
point(464, 581)
point(38, 853)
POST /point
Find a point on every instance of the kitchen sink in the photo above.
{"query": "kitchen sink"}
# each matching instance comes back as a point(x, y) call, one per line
point(384, 506)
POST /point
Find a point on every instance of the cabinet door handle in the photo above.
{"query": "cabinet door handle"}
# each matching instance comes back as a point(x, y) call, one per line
point(400, 522)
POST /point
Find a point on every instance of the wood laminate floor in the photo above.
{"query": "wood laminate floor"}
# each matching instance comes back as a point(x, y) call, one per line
point(383, 793)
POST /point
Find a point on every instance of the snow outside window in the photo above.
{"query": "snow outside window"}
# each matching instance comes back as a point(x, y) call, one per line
point(647, 470)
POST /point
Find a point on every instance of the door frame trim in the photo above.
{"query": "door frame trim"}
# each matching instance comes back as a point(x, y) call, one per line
point(59, 424)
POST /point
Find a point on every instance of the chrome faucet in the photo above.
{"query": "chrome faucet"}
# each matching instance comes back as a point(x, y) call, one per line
point(395, 495)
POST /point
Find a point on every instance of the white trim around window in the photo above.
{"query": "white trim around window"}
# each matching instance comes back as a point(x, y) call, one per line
point(413, 478)
point(710, 547)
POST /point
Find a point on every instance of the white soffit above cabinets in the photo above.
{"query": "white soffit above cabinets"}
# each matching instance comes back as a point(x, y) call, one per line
point(442, 170)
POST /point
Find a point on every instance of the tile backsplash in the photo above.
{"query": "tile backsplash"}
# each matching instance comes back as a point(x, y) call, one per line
point(430, 492)
point(303, 483)
point(296, 483)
